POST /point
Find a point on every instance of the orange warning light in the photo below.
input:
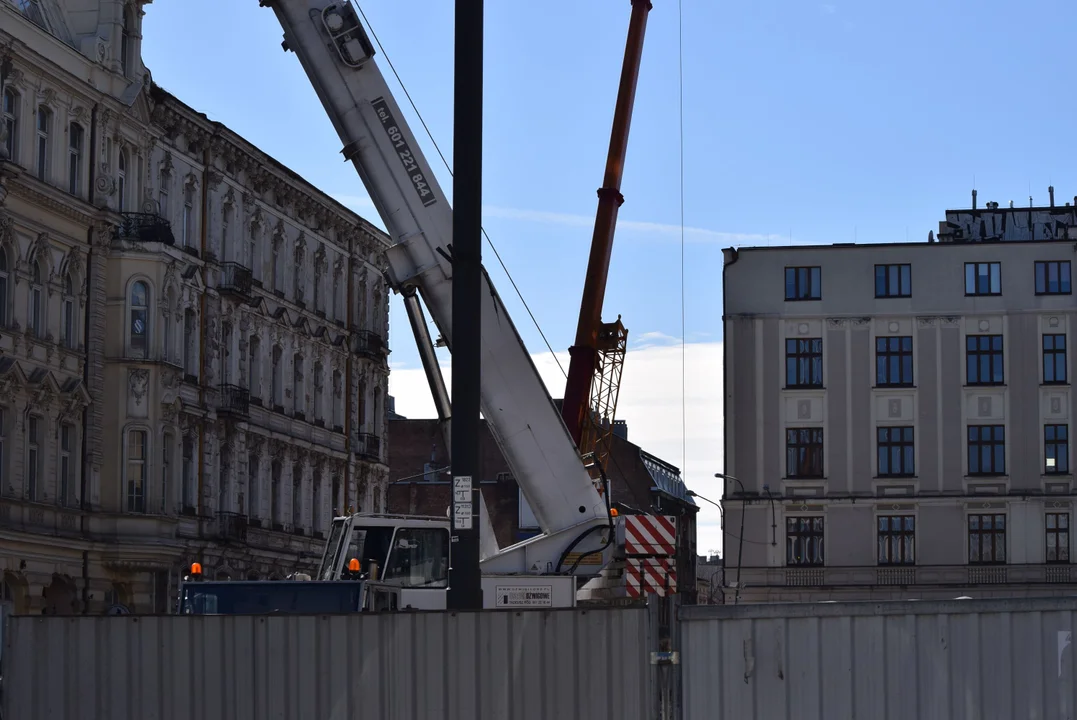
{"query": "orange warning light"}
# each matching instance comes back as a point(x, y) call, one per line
point(196, 568)
point(353, 565)
point(613, 512)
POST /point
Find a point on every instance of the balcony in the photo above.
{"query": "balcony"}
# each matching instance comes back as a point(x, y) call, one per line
point(367, 344)
point(144, 227)
point(231, 526)
point(368, 446)
point(235, 400)
point(236, 280)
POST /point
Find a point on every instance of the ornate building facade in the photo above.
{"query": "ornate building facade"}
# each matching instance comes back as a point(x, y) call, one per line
point(193, 356)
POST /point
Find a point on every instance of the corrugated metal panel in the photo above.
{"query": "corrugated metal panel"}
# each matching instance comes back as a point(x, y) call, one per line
point(507, 665)
point(982, 659)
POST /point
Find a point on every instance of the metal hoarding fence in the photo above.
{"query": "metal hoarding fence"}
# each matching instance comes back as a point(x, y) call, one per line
point(508, 665)
point(986, 659)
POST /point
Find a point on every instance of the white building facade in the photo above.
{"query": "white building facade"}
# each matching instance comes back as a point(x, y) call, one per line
point(193, 356)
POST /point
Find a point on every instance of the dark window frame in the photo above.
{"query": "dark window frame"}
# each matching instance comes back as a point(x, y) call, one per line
point(801, 362)
point(807, 283)
point(1056, 531)
point(995, 440)
point(975, 266)
point(1065, 286)
point(985, 349)
point(895, 540)
point(804, 453)
point(1054, 353)
point(884, 282)
point(1057, 437)
point(903, 448)
point(891, 349)
point(805, 541)
point(991, 538)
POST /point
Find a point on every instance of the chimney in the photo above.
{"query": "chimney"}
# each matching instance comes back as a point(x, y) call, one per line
point(974, 198)
point(931, 236)
point(1051, 192)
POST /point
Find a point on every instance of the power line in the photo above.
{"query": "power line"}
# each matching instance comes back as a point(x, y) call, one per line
point(684, 363)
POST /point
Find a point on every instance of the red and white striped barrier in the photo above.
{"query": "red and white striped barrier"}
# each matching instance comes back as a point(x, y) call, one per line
point(657, 576)
point(651, 535)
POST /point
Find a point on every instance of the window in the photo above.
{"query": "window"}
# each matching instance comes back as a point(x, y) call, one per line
point(338, 404)
point(188, 216)
point(254, 373)
point(69, 329)
point(298, 389)
point(1054, 359)
point(804, 452)
point(893, 361)
point(224, 494)
point(297, 276)
point(252, 252)
point(37, 294)
point(896, 451)
point(803, 283)
point(11, 123)
point(67, 435)
point(140, 303)
point(168, 439)
point(226, 353)
point(297, 498)
point(893, 281)
point(254, 486)
point(419, 557)
point(33, 455)
point(897, 540)
point(278, 376)
point(1056, 448)
point(136, 471)
point(1057, 526)
point(318, 372)
point(162, 197)
point(190, 353)
point(5, 287)
point(3, 447)
point(1053, 277)
point(804, 541)
point(44, 123)
point(983, 278)
point(187, 470)
point(167, 344)
point(987, 539)
point(121, 182)
point(74, 158)
point(987, 450)
point(803, 362)
point(316, 502)
point(274, 492)
point(983, 358)
point(226, 224)
point(125, 46)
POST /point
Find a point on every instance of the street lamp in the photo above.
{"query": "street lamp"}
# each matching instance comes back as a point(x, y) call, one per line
point(740, 548)
point(721, 510)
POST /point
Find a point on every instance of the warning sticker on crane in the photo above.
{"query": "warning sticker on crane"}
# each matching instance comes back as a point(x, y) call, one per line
point(524, 596)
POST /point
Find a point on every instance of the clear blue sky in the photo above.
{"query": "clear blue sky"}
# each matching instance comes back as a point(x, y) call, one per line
point(820, 122)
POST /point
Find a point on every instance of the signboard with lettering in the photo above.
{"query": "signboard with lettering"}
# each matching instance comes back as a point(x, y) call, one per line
point(524, 596)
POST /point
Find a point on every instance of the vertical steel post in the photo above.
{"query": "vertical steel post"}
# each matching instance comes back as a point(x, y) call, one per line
point(465, 586)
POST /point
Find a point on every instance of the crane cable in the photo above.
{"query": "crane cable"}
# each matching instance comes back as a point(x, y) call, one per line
point(430, 135)
point(680, 111)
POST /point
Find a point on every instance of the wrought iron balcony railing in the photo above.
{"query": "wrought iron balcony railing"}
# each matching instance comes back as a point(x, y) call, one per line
point(144, 227)
point(235, 400)
point(231, 526)
point(235, 279)
point(368, 446)
point(367, 343)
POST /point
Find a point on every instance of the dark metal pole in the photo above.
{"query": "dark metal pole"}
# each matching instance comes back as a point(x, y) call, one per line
point(465, 588)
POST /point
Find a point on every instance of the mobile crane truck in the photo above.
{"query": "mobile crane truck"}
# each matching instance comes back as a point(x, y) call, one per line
point(404, 560)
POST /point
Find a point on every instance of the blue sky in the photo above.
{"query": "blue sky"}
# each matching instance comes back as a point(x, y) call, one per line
point(803, 121)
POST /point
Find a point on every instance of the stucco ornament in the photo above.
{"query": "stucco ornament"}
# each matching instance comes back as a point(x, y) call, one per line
point(138, 381)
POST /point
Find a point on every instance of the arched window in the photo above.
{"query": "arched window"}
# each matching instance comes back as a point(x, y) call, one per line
point(138, 324)
point(44, 125)
point(121, 180)
point(5, 288)
point(37, 299)
point(136, 471)
point(74, 158)
point(11, 124)
point(70, 328)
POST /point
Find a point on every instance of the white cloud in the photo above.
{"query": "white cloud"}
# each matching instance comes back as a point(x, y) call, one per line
point(363, 205)
point(650, 402)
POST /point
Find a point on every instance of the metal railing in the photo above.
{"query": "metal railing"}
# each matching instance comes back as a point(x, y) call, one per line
point(368, 446)
point(144, 227)
point(235, 279)
point(235, 400)
point(231, 526)
point(366, 343)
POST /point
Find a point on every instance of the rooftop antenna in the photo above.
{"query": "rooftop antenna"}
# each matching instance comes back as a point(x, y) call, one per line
point(974, 195)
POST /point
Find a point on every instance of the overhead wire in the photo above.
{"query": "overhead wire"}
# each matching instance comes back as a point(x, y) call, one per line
point(444, 161)
point(680, 112)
